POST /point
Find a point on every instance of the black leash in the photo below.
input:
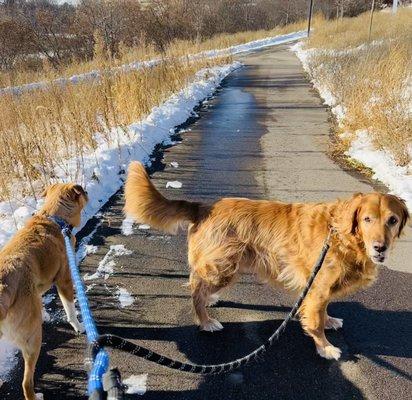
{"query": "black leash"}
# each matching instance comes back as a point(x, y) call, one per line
point(121, 344)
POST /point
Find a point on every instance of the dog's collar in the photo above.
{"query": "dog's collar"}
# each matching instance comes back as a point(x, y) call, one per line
point(62, 223)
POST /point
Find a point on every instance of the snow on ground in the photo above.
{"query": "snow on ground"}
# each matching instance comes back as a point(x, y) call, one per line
point(397, 179)
point(174, 164)
point(127, 226)
point(84, 248)
point(136, 384)
point(174, 184)
point(124, 297)
point(106, 266)
point(143, 227)
point(137, 65)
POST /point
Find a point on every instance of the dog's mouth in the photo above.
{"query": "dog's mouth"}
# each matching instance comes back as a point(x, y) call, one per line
point(378, 258)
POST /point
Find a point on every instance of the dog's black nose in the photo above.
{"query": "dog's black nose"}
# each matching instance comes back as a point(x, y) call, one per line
point(379, 247)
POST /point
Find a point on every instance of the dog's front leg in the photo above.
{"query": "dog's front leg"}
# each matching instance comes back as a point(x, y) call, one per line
point(66, 293)
point(313, 318)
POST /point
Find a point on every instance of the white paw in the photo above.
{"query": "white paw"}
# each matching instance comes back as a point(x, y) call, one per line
point(39, 396)
point(212, 325)
point(329, 352)
point(213, 299)
point(77, 326)
point(333, 323)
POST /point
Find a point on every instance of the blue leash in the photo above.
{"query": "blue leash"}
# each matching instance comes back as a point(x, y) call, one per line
point(101, 361)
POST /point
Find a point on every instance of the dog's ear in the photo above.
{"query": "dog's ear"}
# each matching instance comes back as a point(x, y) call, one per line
point(76, 191)
point(404, 214)
point(47, 189)
point(349, 216)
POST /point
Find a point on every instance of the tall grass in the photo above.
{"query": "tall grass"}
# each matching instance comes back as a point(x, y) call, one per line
point(370, 78)
point(41, 130)
point(178, 48)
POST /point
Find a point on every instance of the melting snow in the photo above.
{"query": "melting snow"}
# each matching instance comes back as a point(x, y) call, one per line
point(143, 226)
point(106, 266)
point(127, 226)
point(174, 184)
point(136, 384)
point(124, 297)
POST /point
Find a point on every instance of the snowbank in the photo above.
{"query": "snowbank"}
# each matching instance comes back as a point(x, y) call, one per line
point(137, 65)
point(397, 179)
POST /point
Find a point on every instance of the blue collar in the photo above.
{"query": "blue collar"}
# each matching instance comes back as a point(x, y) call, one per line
point(63, 225)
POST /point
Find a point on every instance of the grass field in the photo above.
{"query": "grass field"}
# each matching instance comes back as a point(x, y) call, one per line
point(42, 129)
point(370, 78)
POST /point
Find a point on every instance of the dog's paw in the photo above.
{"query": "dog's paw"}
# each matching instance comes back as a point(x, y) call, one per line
point(333, 323)
point(213, 299)
point(78, 327)
point(39, 396)
point(213, 325)
point(329, 352)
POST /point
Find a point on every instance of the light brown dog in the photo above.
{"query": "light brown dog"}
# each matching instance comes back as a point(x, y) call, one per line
point(280, 242)
point(33, 260)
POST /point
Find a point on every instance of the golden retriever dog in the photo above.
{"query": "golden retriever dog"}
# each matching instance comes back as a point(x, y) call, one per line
point(280, 242)
point(33, 260)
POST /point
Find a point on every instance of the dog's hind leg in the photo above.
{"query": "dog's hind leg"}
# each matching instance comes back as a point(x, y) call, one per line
point(27, 328)
point(200, 295)
point(31, 350)
point(66, 293)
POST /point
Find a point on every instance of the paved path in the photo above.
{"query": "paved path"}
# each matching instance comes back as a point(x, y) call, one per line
point(263, 135)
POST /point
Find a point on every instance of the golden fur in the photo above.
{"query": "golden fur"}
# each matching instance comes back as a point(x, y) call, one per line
point(280, 242)
point(33, 260)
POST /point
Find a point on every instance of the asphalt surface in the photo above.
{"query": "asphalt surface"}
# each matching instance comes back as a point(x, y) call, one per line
point(263, 135)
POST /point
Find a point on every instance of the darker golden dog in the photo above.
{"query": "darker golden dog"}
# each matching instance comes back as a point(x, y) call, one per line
point(280, 242)
point(33, 260)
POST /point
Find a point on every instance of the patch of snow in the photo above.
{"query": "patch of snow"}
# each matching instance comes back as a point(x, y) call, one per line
point(174, 164)
point(143, 227)
point(106, 266)
point(174, 184)
point(127, 226)
point(124, 297)
point(8, 358)
point(84, 248)
point(398, 179)
point(136, 384)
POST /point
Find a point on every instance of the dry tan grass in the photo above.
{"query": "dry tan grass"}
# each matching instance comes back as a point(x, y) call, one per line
point(370, 81)
point(41, 130)
point(176, 49)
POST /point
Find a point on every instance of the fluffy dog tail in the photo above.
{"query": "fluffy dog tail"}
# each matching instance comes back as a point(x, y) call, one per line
point(146, 205)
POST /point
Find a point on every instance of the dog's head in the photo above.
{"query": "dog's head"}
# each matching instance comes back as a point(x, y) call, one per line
point(65, 200)
point(376, 219)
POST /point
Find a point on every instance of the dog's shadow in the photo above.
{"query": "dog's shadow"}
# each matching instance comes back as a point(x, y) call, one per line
point(291, 368)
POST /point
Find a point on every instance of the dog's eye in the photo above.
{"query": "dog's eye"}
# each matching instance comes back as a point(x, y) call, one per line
point(367, 219)
point(392, 221)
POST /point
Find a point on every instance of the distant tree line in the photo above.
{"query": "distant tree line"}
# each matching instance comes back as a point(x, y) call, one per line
point(32, 31)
